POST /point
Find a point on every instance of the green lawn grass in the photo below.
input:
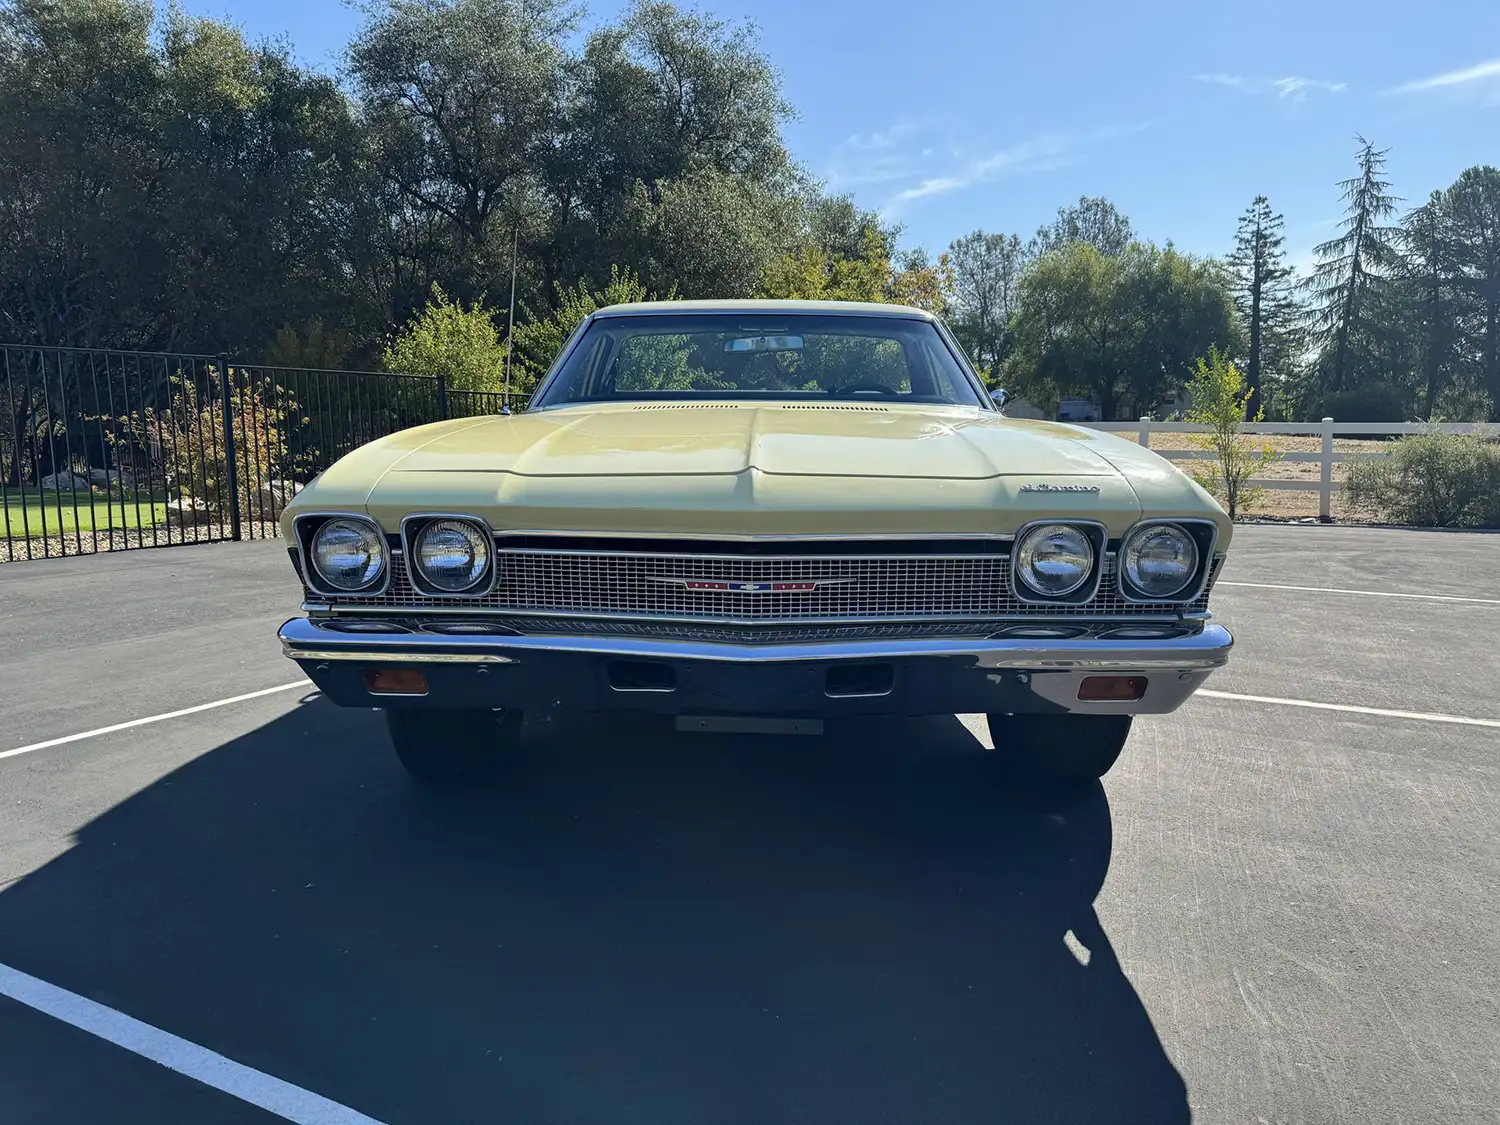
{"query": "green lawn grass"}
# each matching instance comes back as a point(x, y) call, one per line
point(25, 517)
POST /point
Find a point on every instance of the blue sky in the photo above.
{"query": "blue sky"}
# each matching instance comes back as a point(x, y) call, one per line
point(949, 115)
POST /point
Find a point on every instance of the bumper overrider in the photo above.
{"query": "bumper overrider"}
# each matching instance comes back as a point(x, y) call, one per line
point(943, 675)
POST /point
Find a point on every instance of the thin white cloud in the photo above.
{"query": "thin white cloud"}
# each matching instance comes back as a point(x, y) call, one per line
point(1483, 72)
point(1036, 155)
point(1042, 153)
point(902, 151)
point(935, 186)
point(1295, 88)
point(911, 160)
point(1233, 81)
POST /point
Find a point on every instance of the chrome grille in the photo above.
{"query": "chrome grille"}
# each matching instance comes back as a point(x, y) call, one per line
point(886, 588)
point(747, 634)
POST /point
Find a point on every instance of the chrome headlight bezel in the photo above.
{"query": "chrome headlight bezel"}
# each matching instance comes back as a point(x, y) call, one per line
point(306, 527)
point(1205, 536)
point(1096, 534)
point(412, 529)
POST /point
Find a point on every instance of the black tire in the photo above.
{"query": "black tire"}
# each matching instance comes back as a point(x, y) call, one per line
point(446, 747)
point(1071, 749)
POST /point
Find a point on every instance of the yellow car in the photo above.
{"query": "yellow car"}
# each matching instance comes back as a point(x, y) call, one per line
point(757, 516)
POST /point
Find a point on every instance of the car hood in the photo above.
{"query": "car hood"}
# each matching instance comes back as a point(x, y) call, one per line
point(744, 469)
point(844, 440)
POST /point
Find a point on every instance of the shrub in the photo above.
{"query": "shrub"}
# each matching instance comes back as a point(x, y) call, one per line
point(1431, 480)
point(447, 339)
point(540, 339)
point(1379, 402)
point(188, 436)
point(315, 347)
point(1219, 395)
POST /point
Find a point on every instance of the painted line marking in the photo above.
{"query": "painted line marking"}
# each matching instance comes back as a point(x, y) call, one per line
point(209, 1067)
point(1361, 593)
point(153, 719)
point(1381, 712)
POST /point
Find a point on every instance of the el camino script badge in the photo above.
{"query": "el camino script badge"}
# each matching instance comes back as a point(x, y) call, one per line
point(714, 585)
point(1059, 488)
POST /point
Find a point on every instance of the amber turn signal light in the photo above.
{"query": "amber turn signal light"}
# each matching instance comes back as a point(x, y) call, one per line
point(395, 681)
point(1112, 689)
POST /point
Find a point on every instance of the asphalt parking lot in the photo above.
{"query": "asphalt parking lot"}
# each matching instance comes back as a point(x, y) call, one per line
point(1269, 912)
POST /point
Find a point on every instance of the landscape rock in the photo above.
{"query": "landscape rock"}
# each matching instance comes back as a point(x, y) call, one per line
point(187, 512)
point(271, 497)
point(64, 482)
point(103, 478)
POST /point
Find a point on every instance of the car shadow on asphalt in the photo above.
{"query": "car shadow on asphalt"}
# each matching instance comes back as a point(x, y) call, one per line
point(631, 926)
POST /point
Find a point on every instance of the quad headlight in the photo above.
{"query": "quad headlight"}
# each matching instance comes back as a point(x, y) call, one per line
point(1054, 560)
point(348, 555)
point(1159, 560)
point(452, 556)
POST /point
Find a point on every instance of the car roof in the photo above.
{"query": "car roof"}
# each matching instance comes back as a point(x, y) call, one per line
point(853, 308)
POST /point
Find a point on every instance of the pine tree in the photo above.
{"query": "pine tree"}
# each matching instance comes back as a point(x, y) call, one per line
point(1350, 279)
point(1473, 206)
point(1432, 303)
point(1262, 293)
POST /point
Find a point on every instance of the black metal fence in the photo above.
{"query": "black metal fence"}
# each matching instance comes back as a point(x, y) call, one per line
point(104, 450)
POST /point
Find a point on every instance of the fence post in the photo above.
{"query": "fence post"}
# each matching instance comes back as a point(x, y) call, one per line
point(1145, 434)
point(231, 458)
point(1325, 493)
point(442, 396)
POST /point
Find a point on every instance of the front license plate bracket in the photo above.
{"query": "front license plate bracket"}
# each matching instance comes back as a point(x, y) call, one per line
point(747, 724)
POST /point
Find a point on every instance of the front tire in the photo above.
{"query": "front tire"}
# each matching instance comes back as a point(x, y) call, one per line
point(1072, 749)
point(451, 746)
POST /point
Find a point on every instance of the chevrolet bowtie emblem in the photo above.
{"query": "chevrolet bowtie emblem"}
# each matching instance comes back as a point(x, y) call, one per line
point(719, 586)
point(1059, 488)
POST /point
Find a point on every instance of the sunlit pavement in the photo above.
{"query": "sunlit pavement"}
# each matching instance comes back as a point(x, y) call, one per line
point(1267, 912)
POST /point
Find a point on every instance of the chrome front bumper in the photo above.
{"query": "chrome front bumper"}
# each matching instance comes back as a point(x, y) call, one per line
point(926, 676)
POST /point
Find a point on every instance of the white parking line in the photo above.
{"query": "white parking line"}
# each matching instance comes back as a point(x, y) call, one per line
point(1382, 712)
point(1361, 593)
point(153, 719)
point(209, 1067)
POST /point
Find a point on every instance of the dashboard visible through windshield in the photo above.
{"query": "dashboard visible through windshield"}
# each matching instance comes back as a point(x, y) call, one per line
point(798, 356)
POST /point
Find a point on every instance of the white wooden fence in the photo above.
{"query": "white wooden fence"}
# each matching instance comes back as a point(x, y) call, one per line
point(1327, 429)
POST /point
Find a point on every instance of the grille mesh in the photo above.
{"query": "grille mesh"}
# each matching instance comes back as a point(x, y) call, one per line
point(764, 634)
point(911, 588)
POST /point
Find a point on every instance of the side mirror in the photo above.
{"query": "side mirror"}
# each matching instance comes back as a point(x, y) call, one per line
point(999, 397)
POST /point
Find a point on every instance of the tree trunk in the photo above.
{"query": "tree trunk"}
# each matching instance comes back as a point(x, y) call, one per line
point(1253, 399)
point(1492, 354)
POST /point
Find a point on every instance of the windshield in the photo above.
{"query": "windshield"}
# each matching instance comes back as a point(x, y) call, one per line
point(734, 355)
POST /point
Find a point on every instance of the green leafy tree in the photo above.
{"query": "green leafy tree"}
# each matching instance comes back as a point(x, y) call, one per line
point(1349, 286)
point(538, 340)
point(447, 339)
point(813, 273)
point(920, 282)
point(1263, 295)
point(986, 274)
point(820, 268)
point(315, 346)
point(1221, 401)
point(1094, 220)
point(669, 155)
point(163, 185)
point(710, 234)
point(1118, 329)
point(462, 100)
